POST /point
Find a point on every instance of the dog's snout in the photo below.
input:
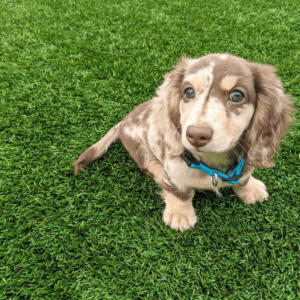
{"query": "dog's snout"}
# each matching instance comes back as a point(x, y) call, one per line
point(199, 136)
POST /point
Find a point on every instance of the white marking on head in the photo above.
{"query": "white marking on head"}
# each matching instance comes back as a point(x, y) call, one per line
point(201, 82)
point(223, 56)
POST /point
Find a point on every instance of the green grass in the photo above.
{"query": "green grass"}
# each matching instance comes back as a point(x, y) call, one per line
point(69, 71)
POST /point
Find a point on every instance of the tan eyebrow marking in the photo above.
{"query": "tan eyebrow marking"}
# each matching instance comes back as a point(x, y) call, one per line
point(228, 82)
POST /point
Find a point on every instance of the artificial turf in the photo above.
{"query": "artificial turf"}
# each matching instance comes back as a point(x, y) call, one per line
point(69, 71)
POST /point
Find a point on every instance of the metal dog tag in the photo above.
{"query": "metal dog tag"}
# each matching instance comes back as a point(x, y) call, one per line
point(214, 180)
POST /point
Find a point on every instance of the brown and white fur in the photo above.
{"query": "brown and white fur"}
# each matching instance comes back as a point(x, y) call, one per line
point(155, 135)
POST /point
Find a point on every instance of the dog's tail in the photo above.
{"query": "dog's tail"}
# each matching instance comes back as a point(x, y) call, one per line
point(97, 149)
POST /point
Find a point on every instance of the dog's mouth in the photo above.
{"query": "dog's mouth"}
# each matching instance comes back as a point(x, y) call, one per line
point(199, 151)
point(202, 151)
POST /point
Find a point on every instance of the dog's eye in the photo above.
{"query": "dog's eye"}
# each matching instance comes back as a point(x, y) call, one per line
point(236, 96)
point(189, 93)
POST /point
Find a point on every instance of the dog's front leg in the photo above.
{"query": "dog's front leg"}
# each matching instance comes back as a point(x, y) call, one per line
point(179, 214)
point(252, 192)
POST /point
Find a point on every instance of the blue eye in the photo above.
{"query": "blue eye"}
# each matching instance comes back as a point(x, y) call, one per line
point(236, 96)
point(189, 93)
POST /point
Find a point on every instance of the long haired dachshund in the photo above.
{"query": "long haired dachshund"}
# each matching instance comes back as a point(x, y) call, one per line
point(219, 112)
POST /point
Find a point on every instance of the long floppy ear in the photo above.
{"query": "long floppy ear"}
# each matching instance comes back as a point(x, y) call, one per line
point(175, 79)
point(271, 118)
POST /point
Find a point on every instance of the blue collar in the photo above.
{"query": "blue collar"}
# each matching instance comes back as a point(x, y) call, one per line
point(232, 178)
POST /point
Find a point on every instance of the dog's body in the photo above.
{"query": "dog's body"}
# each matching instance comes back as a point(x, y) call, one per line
point(220, 108)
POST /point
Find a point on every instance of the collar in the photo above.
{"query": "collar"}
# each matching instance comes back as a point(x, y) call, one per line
point(232, 178)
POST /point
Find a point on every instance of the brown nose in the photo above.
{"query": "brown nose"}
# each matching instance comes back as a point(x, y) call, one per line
point(199, 136)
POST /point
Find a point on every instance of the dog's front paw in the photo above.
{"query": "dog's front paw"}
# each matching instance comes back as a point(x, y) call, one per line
point(180, 220)
point(253, 192)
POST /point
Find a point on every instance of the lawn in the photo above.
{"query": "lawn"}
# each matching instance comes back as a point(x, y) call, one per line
point(69, 71)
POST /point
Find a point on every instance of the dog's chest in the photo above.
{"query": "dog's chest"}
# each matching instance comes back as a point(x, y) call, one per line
point(183, 176)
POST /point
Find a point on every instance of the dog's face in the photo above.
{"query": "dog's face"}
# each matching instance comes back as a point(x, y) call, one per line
point(219, 97)
point(217, 105)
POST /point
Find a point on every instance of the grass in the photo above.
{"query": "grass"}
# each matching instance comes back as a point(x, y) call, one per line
point(69, 71)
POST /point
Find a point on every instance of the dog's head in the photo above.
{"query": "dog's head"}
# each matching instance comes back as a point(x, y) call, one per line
point(220, 100)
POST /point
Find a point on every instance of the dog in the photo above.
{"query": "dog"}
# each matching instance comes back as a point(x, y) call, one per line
point(219, 110)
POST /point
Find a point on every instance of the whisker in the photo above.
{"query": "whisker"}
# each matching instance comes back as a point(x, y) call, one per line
point(244, 141)
point(242, 147)
point(237, 156)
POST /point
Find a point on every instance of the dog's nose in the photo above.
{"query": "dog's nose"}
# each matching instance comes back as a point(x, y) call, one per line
point(199, 136)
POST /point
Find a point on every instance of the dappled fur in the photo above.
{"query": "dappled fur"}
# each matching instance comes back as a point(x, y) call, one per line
point(271, 118)
point(174, 92)
point(155, 133)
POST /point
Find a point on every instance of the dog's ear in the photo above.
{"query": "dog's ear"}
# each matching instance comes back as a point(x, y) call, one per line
point(174, 93)
point(271, 118)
